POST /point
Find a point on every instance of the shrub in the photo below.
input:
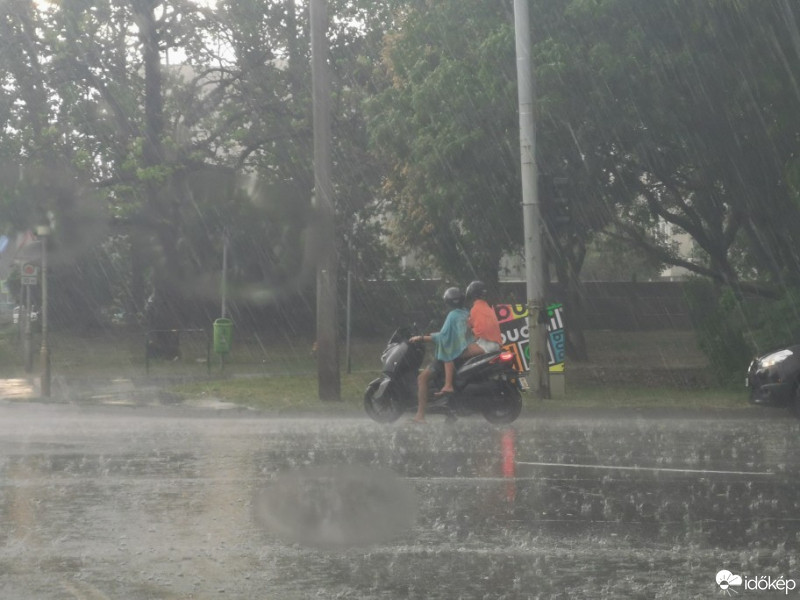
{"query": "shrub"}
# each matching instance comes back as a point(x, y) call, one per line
point(720, 321)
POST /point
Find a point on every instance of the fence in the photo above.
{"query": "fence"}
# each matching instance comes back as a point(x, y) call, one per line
point(379, 306)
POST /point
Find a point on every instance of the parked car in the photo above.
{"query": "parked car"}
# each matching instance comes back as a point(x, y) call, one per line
point(774, 379)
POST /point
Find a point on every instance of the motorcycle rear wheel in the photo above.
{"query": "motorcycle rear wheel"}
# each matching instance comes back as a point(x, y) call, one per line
point(505, 406)
point(386, 409)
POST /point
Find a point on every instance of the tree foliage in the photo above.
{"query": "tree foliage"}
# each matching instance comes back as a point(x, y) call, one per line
point(694, 122)
point(149, 129)
point(446, 124)
point(697, 109)
point(676, 110)
point(182, 122)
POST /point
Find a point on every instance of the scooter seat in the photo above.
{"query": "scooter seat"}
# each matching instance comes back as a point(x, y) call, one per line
point(477, 359)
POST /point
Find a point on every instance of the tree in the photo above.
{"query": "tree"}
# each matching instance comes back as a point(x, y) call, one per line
point(178, 153)
point(45, 171)
point(692, 116)
point(686, 112)
point(448, 121)
point(446, 126)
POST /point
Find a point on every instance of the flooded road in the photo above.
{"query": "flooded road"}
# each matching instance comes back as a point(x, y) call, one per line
point(145, 503)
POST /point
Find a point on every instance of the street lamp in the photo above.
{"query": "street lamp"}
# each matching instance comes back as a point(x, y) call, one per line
point(42, 232)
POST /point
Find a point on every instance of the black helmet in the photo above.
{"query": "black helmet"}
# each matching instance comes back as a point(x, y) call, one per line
point(453, 297)
point(475, 290)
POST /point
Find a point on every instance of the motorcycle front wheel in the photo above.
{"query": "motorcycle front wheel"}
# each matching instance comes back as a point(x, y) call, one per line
point(505, 406)
point(385, 409)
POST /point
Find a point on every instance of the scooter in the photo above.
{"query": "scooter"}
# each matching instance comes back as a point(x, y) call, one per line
point(487, 384)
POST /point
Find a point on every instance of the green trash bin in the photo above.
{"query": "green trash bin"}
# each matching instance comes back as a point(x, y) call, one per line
point(223, 335)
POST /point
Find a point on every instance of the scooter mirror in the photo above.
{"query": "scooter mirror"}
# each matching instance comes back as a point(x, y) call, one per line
point(400, 334)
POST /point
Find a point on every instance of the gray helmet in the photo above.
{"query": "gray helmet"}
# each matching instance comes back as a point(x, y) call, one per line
point(453, 297)
point(475, 290)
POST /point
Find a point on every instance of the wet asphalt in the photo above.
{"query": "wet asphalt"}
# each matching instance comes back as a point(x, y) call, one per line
point(140, 502)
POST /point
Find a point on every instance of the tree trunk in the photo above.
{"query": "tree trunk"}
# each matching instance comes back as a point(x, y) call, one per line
point(575, 322)
point(161, 199)
point(567, 270)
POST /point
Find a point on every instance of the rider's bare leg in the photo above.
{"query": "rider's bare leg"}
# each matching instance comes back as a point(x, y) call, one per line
point(449, 370)
point(422, 394)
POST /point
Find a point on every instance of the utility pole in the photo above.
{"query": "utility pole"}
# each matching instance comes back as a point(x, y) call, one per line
point(349, 305)
point(328, 378)
point(42, 232)
point(26, 323)
point(224, 310)
point(531, 213)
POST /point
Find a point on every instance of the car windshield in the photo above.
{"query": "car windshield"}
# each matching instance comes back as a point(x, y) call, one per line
point(214, 213)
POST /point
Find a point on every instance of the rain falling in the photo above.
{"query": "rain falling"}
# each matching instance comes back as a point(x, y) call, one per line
point(399, 299)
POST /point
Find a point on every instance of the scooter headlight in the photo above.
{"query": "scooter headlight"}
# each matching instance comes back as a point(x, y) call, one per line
point(775, 358)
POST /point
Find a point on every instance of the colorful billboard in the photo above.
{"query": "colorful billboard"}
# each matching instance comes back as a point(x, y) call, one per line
point(513, 320)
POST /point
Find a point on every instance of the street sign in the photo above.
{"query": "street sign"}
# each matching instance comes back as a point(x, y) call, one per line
point(30, 274)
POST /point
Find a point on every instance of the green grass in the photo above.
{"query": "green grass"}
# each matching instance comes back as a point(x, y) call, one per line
point(649, 397)
point(280, 374)
point(282, 393)
point(299, 392)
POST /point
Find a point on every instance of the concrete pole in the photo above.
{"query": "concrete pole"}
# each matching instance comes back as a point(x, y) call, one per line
point(531, 215)
point(43, 233)
point(28, 333)
point(348, 321)
point(224, 311)
point(328, 377)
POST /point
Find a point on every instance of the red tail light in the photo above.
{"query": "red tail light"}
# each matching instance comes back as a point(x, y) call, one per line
point(504, 357)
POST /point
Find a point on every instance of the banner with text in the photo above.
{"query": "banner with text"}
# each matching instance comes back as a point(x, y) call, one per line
point(513, 320)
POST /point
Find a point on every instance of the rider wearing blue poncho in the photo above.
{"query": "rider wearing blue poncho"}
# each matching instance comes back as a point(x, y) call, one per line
point(451, 341)
point(454, 337)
